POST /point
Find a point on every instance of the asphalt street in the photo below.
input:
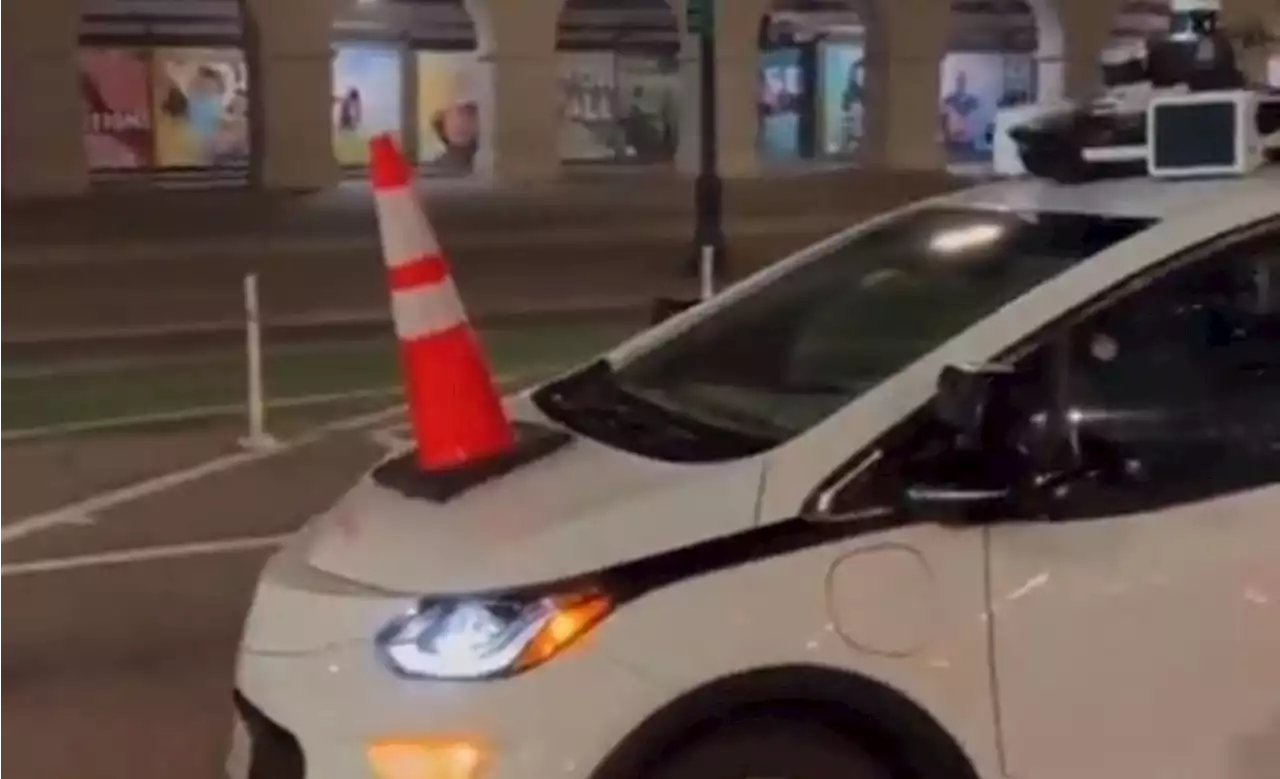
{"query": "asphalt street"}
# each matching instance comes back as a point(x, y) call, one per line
point(120, 623)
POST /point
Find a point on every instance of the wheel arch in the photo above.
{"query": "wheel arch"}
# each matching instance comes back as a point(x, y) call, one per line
point(894, 728)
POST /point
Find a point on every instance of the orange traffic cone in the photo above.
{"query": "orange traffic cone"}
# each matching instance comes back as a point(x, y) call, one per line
point(454, 406)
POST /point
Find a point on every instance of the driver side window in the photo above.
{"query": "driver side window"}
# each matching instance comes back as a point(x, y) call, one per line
point(1176, 387)
point(1166, 394)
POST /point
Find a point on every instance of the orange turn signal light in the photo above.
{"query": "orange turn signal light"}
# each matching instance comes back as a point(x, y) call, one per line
point(571, 621)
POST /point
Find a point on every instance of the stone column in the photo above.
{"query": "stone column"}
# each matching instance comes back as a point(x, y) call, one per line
point(1084, 31)
point(43, 138)
point(288, 48)
point(737, 86)
point(1260, 15)
point(519, 120)
point(906, 42)
point(409, 101)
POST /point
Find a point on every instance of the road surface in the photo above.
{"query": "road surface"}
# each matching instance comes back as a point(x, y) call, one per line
point(120, 626)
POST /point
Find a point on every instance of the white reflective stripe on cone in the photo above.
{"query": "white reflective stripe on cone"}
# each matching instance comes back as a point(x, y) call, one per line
point(406, 235)
point(426, 309)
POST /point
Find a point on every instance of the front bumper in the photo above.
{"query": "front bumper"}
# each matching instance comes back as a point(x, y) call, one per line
point(313, 711)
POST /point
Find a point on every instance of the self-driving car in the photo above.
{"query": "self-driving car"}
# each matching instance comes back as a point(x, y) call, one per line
point(986, 486)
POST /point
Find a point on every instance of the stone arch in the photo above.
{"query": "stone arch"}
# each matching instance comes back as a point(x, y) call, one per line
point(618, 81)
point(165, 91)
point(812, 78)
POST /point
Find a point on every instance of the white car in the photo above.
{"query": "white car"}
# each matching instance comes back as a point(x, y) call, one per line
point(988, 486)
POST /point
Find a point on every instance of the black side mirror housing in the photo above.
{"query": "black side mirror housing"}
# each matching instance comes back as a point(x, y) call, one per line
point(1007, 450)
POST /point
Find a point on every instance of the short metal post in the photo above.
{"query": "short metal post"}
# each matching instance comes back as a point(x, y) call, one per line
point(257, 436)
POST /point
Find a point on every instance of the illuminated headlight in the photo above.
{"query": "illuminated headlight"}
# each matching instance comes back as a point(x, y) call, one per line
point(477, 639)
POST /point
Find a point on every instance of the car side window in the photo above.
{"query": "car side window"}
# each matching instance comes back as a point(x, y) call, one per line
point(1176, 387)
point(1167, 393)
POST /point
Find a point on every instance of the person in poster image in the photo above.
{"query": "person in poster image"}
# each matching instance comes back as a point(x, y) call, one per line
point(208, 109)
point(457, 126)
point(958, 106)
point(851, 106)
point(350, 111)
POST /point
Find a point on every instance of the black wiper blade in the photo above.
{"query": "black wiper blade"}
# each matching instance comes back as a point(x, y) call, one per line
point(594, 402)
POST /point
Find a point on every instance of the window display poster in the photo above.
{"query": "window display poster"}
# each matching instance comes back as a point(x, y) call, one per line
point(842, 79)
point(972, 86)
point(1273, 71)
point(648, 107)
point(450, 97)
point(1019, 80)
point(781, 97)
point(589, 126)
point(367, 99)
point(200, 108)
point(115, 87)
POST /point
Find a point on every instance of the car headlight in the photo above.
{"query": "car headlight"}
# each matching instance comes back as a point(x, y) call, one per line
point(478, 639)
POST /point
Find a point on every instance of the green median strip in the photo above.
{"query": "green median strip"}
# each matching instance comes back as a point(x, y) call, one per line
point(296, 377)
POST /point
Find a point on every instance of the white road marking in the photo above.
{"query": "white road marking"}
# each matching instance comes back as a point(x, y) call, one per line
point(81, 512)
point(144, 554)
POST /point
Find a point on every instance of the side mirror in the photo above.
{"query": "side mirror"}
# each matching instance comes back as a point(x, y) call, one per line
point(1006, 454)
point(963, 398)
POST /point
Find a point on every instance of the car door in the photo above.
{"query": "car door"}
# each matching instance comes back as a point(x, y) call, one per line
point(1137, 632)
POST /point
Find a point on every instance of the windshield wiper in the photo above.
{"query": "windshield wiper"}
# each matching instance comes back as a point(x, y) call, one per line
point(593, 403)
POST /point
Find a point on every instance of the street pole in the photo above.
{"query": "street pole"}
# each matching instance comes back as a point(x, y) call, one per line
point(709, 248)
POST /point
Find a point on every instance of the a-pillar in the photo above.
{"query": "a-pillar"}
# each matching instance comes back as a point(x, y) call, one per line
point(519, 135)
point(1072, 37)
point(906, 43)
point(43, 139)
point(737, 87)
point(288, 46)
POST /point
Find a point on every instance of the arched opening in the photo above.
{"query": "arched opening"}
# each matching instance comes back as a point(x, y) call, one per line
point(409, 68)
point(812, 81)
point(990, 64)
point(165, 90)
point(619, 82)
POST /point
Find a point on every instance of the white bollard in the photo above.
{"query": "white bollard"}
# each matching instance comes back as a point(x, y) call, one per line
point(256, 404)
point(707, 272)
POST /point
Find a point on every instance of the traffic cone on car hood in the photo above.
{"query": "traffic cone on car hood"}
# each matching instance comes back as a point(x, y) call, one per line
point(454, 406)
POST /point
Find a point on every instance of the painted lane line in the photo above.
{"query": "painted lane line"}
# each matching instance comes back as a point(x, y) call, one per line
point(142, 555)
point(81, 512)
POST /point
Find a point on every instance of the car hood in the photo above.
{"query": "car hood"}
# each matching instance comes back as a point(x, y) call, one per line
point(584, 507)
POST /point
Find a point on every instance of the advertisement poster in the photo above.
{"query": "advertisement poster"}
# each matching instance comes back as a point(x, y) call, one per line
point(781, 96)
point(1273, 71)
point(842, 79)
point(1019, 86)
point(200, 108)
point(115, 86)
point(589, 128)
point(648, 107)
point(449, 100)
point(972, 88)
point(367, 99)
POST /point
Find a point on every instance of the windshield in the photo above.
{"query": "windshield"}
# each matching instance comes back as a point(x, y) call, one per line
point(778, 361)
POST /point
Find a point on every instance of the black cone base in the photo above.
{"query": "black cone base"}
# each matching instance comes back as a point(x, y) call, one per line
point(405, 476)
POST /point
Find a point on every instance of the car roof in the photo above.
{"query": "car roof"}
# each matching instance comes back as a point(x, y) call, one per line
point(1140, 197)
